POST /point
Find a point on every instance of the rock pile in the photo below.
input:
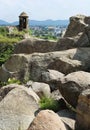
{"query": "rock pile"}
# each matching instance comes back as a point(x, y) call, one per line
point(46, 67)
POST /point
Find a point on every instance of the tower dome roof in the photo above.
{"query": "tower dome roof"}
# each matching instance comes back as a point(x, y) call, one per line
point(23, 14)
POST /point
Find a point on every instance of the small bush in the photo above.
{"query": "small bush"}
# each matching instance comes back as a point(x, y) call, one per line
point(49, 103)
point(5, 52)
point(5, 39)
point(13, 80)
point(10, 81)
point(3, 30)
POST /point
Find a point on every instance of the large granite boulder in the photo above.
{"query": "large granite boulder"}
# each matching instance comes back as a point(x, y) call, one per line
point(77, 24)
point(73, 84)
point(77, 33)
point(41, 89)
point(51, 77)
point(16, 66)
point(47, 120)
point(18, 106)
point(83, 111)
point(32, 45)
point(80, 40)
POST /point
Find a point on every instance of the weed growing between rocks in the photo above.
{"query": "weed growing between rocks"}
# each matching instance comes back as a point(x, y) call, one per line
point(10, 81)
point(49, 103)
point(13, 80)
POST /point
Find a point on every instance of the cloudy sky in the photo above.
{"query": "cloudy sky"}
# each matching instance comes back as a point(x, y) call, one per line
point(43, 9)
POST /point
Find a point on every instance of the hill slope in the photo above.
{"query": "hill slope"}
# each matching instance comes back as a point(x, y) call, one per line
point(39, 23)
point(2, 22)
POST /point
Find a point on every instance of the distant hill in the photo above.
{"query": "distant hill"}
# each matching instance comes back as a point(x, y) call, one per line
point(15, 23)
point(49, 22)
point(2, 22)
point(39, 23)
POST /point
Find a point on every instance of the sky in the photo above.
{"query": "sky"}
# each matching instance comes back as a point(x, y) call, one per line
point(43, 9)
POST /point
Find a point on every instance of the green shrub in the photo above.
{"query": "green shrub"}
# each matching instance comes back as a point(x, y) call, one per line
point(12, 37)
point(5, 52)
point(10, 81)
point(49, 103)
point(13, 80)
point(3, 30)
point(6, 39)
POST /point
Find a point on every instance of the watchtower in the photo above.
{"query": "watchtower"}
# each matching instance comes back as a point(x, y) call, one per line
point(23, 21)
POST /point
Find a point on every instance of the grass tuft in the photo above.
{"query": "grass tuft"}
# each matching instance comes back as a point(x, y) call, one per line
point(49, 103)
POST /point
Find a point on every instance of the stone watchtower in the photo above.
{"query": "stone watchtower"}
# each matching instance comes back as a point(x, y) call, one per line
point(23, 21)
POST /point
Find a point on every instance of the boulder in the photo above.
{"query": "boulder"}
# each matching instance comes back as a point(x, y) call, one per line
point(73, 84)
point(31, 45)
point(51, 77)
point(16, 66)
point(47, 120)
point(80, 40)
point(41, 89)
point(83, 111)
point(77, 24)
point(77, 33)
point(65, 65)
point(17, 107)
